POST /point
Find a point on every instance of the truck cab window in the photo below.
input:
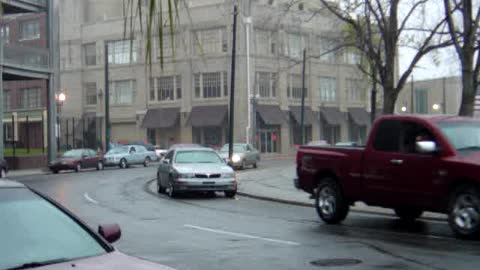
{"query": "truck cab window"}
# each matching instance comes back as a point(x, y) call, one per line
point(411, 133)
point(387, 137)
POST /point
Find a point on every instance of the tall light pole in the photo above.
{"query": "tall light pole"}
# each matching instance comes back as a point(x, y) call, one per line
point(232, 85)
point(302, 113)
point(60, 98)
point(107, 100)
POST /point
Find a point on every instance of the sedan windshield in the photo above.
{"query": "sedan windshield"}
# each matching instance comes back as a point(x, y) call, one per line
point(73, 154)
point(464, 136)
point(118, 150)
point(36, 231)
point(197, 157)
point(236, 148)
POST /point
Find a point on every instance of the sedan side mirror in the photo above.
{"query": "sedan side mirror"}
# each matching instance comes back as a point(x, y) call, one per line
point(426, 147)
point(110, 232)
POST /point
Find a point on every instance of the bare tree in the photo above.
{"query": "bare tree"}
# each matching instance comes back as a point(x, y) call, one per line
point(463, 25)
point(380, 30)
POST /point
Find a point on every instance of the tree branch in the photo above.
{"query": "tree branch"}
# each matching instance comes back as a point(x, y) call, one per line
point(410, 12)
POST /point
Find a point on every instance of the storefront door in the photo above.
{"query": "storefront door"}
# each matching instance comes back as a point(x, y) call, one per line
point(268, 140)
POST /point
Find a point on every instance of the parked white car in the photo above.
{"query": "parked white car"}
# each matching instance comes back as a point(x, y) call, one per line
point(124, 156)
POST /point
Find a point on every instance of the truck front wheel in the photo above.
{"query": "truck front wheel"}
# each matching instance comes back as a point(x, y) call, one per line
point(464, 212)
point(330, 203)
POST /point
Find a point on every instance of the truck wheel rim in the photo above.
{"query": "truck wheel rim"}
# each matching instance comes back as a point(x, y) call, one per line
point(326, 201)
point(466, 212)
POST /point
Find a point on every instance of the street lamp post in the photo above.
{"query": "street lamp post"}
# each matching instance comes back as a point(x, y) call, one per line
point(60, 98)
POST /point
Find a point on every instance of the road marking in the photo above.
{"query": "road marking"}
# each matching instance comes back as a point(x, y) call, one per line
point(88, 198)
point(248, 236)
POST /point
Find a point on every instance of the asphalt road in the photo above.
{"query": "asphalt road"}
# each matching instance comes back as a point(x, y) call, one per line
point(204, 232)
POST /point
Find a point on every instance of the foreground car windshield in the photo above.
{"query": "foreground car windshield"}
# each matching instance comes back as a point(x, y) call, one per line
point(197, 157)
point(462, 135)
point(236, 148)
point(36, 231)
point(118, 150)
point(73, 154)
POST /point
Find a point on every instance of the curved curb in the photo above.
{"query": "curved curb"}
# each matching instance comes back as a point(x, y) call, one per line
point(302, 204)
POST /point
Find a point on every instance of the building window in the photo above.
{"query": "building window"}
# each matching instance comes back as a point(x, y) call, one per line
point(266, 84)
point(166, 88)
point(122, 92)
point(355, 91)
point(296, 44)
point(295, 87)
point(210, 85)
point(421, 101)
point(122, 52)
point(30, 30)
point(352, 57)
point(327, 49)
point(210, 41)
point(30, 98)
point(328, 89)
point(264, 42)
point(90, 52)
point(91, 93)
point(5, 33)
point(7, 100)
point(178, 86)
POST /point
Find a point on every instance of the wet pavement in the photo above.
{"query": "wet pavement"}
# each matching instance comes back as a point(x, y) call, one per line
point(205, 232)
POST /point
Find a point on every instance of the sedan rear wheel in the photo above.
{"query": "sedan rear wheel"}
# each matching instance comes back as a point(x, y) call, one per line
point(146, 162)
point(3, 173)
point(78, 167)
point(100, 166)
point(123, 163)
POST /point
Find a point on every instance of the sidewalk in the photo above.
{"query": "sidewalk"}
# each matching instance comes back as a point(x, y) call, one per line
point(276, 184)
point(28, 172)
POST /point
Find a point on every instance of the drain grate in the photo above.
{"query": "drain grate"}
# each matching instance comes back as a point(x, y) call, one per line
point(335, 262)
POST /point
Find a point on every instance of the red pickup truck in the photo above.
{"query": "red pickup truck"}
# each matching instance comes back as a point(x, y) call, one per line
point(411, 164)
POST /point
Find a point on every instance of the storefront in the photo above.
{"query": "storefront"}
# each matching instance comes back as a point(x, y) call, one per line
point(209, 125)
point(296, 127)
point(359, 120)
point(162, 126)
point(269, 121)
point(331, 122)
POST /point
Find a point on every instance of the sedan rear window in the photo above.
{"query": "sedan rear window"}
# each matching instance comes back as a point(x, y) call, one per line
point(33, 230)
point(197, 157)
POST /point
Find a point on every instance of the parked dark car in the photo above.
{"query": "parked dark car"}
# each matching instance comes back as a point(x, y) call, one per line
point(3, 168)
point(76, 160)
point(411, 164)
point(55, 238)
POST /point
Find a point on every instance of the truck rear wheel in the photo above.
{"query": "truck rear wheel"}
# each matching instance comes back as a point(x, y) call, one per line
point(408, 214)
point(330, 203)
point(464, 212)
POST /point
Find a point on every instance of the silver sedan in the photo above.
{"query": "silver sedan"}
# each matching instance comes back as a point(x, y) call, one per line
point(195, 170)
point(243, 155)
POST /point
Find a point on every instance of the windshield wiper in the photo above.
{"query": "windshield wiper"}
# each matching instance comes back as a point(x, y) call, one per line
point(37, 264)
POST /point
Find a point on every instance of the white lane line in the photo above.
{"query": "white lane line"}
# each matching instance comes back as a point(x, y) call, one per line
point(88, 198)
point(248, 236)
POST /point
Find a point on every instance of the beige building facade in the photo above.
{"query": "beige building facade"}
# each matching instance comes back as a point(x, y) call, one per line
point(188, 99)
point(433, 96)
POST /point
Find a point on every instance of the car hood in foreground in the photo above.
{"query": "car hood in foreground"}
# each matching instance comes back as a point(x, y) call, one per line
point(110, 261)
point(203, 168)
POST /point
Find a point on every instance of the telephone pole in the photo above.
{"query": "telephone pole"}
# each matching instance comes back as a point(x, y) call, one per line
point(232, 85)
point(302, 113)
point(107, 100)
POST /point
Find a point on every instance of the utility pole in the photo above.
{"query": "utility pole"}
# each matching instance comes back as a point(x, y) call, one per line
point(373, 96)
point(1, 100)
point(232, 85)
point(412, 109)
point(444, 104)
point(302, 113)
point(52, 129)
point(107, 100)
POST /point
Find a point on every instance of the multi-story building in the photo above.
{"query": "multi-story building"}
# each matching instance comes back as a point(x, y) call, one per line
point(187, 100)
point(25, 99)
point(432, 96)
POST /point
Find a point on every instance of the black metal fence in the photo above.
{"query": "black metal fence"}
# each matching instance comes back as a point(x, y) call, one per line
point(79, 133)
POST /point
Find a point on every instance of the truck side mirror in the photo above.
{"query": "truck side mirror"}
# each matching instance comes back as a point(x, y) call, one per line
point(426, 147)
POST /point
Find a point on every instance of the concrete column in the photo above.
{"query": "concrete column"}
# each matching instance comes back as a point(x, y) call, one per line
point(186, 131)
point(316, 130)
point(285, 139)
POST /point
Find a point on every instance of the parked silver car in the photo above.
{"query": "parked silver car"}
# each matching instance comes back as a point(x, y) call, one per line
point(243, 155)
point(124, 156)
point(195, 169)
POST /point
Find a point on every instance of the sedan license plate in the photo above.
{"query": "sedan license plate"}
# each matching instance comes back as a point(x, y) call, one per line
point(209, 183)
